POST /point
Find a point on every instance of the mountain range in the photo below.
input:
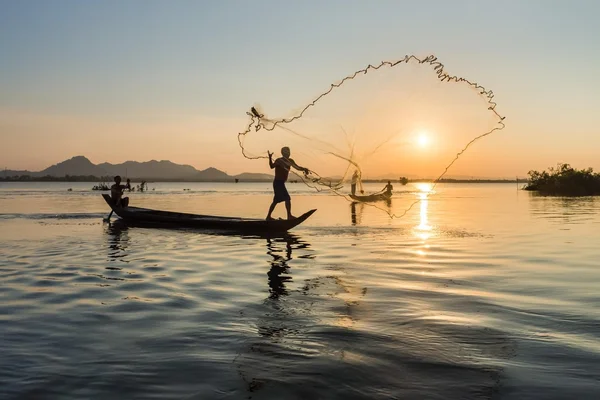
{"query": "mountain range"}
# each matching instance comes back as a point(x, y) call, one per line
point(166, 171)
point(149, 170)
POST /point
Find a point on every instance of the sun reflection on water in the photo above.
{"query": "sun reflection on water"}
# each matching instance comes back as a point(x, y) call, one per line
point(423, 230)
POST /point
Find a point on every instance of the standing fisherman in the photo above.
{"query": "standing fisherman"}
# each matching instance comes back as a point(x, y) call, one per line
point(282, 167)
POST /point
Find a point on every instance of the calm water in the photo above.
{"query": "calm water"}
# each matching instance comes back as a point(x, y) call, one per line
point(479, 291)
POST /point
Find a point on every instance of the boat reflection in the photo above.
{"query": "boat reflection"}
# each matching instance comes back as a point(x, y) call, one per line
point(279, 247)
point(357, 209)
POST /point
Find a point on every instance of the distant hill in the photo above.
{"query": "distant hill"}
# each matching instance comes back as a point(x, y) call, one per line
point(165, 170)
point(212, 174)
point(75, 166)
point(148, 170)
point(252, 177)
point(12, 172)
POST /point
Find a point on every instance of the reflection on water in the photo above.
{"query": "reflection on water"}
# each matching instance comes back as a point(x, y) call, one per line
point(356, 217)
point(118, 240)
point(281, 250)
point(563, 210)
point(278, 275)
point(424, 307)
point(357, 209)
point(305, 311)
point(424, 231)
point(276, 322)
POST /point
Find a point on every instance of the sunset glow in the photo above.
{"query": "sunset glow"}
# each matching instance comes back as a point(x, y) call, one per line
point(168, 99)
point(423, 139)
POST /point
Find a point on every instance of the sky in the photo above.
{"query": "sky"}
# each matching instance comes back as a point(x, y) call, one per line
point(144, 79)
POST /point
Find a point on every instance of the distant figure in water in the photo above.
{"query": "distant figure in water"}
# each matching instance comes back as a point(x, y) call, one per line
point(116, 192)
point(282, 169)
point(388, 188)
point(355, 180)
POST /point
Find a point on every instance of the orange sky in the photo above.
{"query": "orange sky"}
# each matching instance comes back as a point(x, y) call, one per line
point(207, 141)
point(152, 86)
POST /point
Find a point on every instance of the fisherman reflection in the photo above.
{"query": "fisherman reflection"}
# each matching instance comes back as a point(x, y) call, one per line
point(357, 209)
point(275, 324)
point(280, 249)
point(354, 215)
point(388, 205)
point(118, 240)
point(281, 320)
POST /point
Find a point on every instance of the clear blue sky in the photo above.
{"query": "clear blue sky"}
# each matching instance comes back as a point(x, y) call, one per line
point(127, 61)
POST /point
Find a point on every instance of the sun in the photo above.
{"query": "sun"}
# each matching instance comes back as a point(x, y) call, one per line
point(423, 139)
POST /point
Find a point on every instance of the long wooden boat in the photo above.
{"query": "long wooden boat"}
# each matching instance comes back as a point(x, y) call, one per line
point(372, 197)
point(244, 225)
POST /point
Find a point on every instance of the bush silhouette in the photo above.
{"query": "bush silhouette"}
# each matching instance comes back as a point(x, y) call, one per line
point(565, 180)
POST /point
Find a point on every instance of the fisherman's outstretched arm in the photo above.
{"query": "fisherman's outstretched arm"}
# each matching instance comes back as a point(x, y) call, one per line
point(299, 168)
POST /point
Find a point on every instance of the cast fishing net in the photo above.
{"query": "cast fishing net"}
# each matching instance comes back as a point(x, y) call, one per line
point(394, 119)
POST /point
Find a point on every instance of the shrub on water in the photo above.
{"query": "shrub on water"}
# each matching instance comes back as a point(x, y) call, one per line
point(565, 180)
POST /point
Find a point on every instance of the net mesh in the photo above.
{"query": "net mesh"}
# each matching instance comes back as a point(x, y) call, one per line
point(391, 120)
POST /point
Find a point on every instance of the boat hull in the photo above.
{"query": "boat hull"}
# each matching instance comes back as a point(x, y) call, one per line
point(233, 224)
point(372, 197)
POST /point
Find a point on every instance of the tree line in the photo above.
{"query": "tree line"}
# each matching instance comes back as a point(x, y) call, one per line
point(50, 178)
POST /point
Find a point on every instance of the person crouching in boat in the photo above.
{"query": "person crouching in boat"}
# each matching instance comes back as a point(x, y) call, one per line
point(116, 192)
point(282, 169)
point(388, 189)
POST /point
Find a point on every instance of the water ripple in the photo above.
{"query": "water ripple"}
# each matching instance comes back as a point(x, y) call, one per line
point(455, 301)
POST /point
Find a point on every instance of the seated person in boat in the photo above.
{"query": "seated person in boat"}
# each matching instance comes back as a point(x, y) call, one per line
point(282, 167)
point(116, 192)
point(388, 188)
point(355, 180)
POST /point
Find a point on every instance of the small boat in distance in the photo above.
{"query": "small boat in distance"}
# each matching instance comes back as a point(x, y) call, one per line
point(234, 224)
point(372, 197)
point(101, 186)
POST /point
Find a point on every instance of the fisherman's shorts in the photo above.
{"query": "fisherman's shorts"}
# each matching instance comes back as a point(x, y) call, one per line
point(281, 193)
